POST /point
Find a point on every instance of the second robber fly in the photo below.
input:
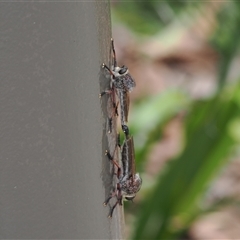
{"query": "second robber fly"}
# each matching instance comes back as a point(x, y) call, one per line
point(129, 182)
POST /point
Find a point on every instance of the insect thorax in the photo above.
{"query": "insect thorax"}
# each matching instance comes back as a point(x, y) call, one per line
point(131, 186)
point(124, 82)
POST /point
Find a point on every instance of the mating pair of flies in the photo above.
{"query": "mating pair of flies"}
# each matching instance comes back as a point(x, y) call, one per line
point(121, 84)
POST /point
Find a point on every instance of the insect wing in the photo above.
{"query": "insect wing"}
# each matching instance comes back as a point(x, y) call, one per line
point(124, 103)
point(132, 158)
point(128, 158)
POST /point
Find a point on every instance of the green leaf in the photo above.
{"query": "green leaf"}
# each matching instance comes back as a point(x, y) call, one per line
point(150, 116)
point(172, 204)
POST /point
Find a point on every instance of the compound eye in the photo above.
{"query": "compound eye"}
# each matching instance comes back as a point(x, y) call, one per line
point(123, 70)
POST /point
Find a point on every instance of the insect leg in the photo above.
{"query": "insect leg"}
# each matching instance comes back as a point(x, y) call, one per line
point(115, 106)
point(114, 162)
point(114, 53)
point(108, 199)
point(114, 113)
point(112, 92)
point(112, 209)
point(119, 200)
point(108, 69)
point(110, 125)
point(107, 91)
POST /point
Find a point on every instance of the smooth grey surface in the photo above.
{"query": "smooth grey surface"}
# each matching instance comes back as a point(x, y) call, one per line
point(53, 172)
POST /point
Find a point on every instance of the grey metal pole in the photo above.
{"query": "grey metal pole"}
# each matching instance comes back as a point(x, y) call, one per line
point(53, 172)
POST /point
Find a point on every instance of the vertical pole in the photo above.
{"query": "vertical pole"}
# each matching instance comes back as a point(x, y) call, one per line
point(53, 172)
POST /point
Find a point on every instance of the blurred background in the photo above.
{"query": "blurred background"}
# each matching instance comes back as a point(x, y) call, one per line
point(184, 116)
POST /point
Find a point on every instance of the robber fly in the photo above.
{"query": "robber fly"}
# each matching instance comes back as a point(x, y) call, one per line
point(129, 182)
point(121, 85)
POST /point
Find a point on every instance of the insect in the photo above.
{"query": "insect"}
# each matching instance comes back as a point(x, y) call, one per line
point(121, 84)
point(129, 182)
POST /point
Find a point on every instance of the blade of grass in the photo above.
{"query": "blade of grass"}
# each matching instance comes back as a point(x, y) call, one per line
point(169, 208)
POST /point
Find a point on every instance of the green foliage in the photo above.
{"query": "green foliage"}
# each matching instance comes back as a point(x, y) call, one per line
point(226, 38)
point(149, 17)
point(209, 141)
point(211, 127)
point(149, 118)
point(135, 14)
